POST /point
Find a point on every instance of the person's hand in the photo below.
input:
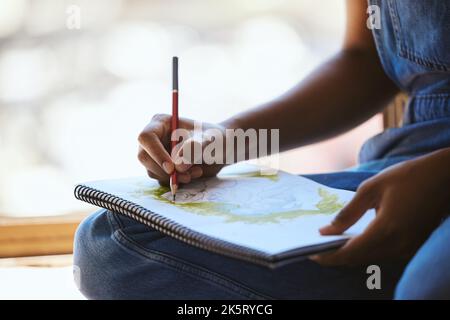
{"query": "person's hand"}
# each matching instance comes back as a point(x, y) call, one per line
point(410, 201)
point(154, 151)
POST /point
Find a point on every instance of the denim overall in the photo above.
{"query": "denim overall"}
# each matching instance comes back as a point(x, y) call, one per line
point(117, 257)
point(414, 47)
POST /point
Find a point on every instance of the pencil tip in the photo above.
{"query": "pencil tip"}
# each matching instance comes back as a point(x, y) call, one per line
point(173, 198)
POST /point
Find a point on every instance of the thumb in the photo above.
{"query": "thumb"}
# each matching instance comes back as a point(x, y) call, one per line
point(363, 200)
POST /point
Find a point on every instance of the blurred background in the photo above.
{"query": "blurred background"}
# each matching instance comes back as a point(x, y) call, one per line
point(73, 97)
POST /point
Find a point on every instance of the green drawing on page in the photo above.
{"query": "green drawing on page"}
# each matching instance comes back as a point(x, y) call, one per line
point(328, 204)
point(254, 174)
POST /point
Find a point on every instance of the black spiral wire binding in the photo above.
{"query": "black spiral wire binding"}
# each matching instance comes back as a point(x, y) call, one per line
point(169, 227)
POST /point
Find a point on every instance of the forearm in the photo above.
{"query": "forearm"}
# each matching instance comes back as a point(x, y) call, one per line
point(340, 94)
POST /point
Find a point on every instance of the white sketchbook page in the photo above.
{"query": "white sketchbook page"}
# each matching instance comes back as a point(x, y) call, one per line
point(272, 214)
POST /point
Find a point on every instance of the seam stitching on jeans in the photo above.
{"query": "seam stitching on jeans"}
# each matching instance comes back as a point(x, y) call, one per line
point(189, 268)
point(186, 267)
point(404, 51)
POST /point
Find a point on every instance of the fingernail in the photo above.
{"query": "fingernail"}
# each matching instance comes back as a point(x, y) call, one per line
point(168, 167)
point(183, 167)
point(325, 229)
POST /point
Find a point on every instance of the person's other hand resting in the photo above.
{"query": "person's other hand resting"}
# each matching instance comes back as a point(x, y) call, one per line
point(410, 199)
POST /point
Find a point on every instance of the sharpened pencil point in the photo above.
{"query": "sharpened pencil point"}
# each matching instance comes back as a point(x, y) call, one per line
point(173, 198)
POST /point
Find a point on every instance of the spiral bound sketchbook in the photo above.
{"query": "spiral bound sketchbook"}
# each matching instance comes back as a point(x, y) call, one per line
point(246, 212)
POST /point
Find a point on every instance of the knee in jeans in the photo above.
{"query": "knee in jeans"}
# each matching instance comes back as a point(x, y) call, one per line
point(422, 282)
point(91, 254)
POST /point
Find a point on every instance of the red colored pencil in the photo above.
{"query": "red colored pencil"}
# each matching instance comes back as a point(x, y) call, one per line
point(174, 124)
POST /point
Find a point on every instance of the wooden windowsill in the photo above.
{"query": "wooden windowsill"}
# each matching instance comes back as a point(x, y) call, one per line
point(393, 114)
point(21, 237)
point(52, 261)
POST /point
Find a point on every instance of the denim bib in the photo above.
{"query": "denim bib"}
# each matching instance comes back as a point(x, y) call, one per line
point(414, 47)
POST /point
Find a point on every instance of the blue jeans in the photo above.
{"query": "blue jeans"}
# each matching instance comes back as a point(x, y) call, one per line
point(118, 258)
